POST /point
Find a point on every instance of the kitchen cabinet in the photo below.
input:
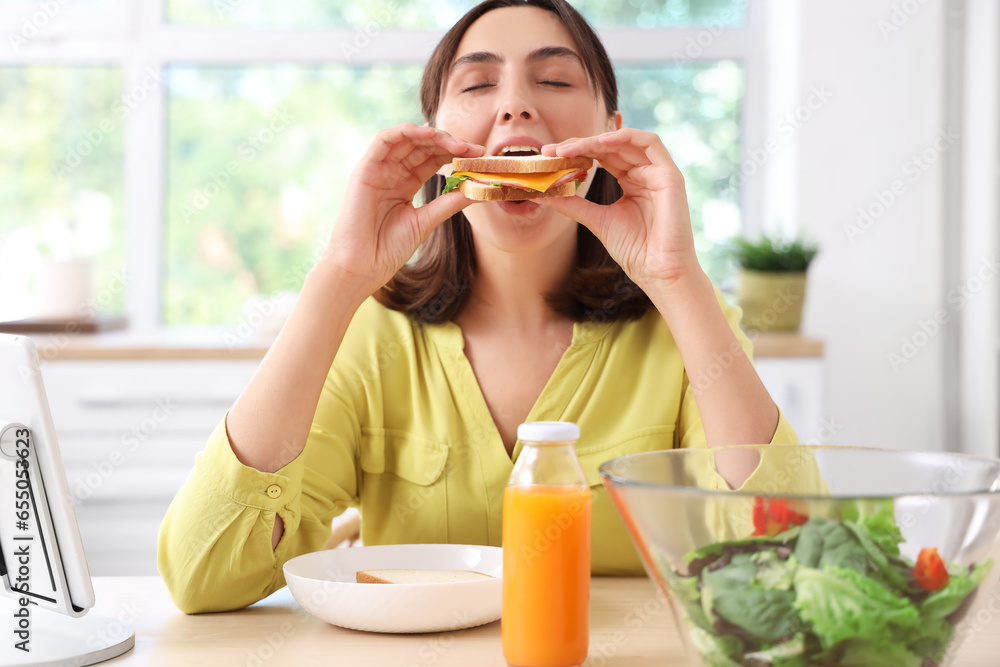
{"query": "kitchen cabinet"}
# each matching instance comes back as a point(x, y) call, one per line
point(129, 432)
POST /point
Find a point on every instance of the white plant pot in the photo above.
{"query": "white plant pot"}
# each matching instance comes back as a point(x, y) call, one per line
point(63, 288)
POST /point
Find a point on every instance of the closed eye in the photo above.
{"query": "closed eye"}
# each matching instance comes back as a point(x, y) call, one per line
point(477, 86)
point(559, 84)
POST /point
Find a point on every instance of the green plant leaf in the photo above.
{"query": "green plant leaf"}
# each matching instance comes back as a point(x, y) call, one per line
point(768, 254)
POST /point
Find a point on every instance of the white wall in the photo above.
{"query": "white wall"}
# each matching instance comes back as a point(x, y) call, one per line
point(979, 353)
point(874, 283)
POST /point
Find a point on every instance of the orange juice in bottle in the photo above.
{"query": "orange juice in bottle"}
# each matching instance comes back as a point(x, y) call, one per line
point(546, 551)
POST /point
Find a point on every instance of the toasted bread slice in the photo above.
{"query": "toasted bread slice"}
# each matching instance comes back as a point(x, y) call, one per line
point(528, 164)
point(482, 192)
point(417, 576)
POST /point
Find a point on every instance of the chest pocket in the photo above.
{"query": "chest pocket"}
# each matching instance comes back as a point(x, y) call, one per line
point(651, 439)
point(404, 495)
point(612, 551)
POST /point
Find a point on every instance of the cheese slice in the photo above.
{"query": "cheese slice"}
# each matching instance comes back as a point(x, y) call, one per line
point(538, 182)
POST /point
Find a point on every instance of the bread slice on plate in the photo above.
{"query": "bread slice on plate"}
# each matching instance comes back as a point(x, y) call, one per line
point(417, 576)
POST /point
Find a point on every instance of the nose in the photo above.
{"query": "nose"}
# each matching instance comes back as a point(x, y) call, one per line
point(524, 113)
point(518, 105)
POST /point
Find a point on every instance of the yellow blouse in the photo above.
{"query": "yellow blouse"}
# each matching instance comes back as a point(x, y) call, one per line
point(402, 431)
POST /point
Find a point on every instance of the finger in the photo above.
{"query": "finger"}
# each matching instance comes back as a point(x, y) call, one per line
point(630, 155)
point(428, 168)
point(419, 156)
point(441, 143)
point(387, 139)
point(550, 149)
point(436, 211)
point(625, 146)
point(394, 143)
point(610, 160)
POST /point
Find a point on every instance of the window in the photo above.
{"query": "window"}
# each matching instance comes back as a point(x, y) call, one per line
point(61, 176)
point(220, 133)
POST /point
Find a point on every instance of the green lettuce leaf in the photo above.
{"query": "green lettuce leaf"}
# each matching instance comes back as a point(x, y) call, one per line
point(717, 651)
point(772, 572)
point(890, 570)
point(945, 601)
point(451, 182)
point(841, 604)
point(711, 552)
point(790, 653)
point(932, 639)
point(878, 655)
point(823, 542)
point(878, 519)
point(738, 597)
point(686, 591)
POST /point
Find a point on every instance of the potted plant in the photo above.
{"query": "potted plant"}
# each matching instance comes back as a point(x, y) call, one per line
point(772, 282)
point(68, 240)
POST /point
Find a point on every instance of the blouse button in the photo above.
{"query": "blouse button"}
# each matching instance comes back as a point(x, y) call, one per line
point(274, 491)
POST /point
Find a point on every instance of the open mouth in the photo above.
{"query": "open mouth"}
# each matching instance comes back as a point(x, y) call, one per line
point(519, 151)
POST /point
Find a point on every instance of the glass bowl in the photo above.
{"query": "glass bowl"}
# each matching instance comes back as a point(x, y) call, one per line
point(825, 556)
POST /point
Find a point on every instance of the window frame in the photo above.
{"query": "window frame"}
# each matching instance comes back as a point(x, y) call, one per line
point(136, 36)
point(58, 19)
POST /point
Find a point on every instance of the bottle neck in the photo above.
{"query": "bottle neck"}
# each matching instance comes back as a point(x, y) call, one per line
point(547, 464)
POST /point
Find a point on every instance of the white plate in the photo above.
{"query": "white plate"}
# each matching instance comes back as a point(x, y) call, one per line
point(324, 584)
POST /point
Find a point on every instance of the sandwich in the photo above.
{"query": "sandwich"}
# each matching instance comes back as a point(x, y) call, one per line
point(510, 177)
point(417, 576)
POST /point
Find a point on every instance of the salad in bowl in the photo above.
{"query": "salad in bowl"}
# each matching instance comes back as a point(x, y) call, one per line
point(838, 565)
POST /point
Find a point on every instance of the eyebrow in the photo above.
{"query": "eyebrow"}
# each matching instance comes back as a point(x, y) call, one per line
point(493, 58)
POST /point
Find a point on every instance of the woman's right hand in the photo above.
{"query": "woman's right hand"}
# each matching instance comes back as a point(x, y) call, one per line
point(378, 229)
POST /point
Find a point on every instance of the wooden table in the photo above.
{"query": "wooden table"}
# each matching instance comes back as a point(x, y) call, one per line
point(631, 625)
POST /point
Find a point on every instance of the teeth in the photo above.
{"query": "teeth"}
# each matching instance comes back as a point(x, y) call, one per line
point(519, 149)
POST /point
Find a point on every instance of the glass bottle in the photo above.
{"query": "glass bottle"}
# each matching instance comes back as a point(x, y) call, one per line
point(546, 551)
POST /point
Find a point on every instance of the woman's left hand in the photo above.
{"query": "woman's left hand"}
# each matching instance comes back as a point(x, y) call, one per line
point(647, 231)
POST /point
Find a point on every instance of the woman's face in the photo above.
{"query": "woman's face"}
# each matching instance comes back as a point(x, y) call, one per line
point(518, 80)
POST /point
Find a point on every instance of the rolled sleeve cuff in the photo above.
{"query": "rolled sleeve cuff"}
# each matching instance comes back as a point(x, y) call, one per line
point(764, 474)
point(245, 485)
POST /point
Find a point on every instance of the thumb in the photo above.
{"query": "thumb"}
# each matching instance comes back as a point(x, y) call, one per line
point(439, 209)
point(587, 213)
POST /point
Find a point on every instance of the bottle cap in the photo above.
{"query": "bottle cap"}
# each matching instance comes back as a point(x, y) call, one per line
point(548, 431)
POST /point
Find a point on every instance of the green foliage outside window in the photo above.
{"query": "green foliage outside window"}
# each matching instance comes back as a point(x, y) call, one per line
point(258, 156)
point(62, 177)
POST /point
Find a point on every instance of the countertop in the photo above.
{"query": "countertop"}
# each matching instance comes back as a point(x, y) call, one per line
point(631, 625)
point(233, 343)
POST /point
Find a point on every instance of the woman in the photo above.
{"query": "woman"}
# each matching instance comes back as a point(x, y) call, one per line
point(587, 310)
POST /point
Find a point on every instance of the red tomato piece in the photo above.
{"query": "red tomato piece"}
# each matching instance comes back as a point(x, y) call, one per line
point(774, 516)
point(930, 571)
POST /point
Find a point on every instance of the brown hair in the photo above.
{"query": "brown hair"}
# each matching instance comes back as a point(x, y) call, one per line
point(435, 288)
